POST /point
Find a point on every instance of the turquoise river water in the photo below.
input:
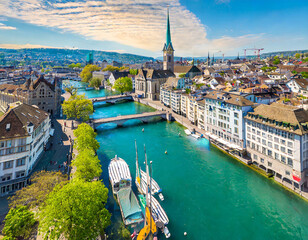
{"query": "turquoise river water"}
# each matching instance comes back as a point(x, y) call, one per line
point(207, 194)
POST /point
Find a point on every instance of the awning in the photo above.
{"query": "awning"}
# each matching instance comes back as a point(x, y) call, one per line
point(52, 131)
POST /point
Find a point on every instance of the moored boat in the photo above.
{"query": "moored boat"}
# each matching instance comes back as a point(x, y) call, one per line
point(187, 131)
point(121, 182)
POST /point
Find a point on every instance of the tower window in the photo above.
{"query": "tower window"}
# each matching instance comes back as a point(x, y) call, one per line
point(169, 58)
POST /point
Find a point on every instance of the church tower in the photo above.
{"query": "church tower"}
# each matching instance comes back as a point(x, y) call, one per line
point(168, 49)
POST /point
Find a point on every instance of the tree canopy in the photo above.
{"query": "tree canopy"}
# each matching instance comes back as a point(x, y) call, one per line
point(42, 183)
point(87, 165)
point(297, 55)
point(18, 223)
point(95, 82)
point(78, 107)
point(182, 75)
point(85, 138)
point(133, 71)
point(71, 89)
point(86, 73)
point(75, 211)
point(75, 65)
point(111, 68)
point(123, 84)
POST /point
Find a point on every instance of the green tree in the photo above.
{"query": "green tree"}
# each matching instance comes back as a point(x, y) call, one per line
point(18, 223)
point(123, 84)
point(182, 75)
point(78, 107)
point(304, 74)
point(85, 138)
point(133, 71)
point(87, 165)
point(111, 69)
point(71, 89)
point(297, 55)
point(187, 90)
point(86, 73)
point(33, 195)
point(276, 61)
point(75, 211)
point(95, 82)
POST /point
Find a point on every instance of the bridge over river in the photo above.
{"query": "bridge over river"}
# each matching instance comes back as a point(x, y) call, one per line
point(112, 99)
point(120, 120)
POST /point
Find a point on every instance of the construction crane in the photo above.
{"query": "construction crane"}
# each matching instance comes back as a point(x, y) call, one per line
point(257, 51)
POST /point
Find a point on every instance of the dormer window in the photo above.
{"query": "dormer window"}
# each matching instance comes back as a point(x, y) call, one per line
point(8, 127)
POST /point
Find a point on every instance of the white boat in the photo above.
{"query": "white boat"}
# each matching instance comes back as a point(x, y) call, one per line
point(158, 212)
point(166, 232)
point(195, 135)
point(161, 197)
point(121, 180)
point(187, 131)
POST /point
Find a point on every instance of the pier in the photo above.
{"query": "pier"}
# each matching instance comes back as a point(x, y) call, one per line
point(120, 120)
point(112, 99)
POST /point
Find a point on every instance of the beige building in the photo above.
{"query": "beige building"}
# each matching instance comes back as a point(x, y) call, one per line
point(277, 142)
point(40, 92)
point(24, 132)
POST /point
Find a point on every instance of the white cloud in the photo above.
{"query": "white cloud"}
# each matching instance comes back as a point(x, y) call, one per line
point(20, 46)
point(4, 27)
point(222, 1)
point(137, 23)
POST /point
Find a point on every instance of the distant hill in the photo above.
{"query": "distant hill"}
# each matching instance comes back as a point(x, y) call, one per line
point(74, 55)
point(285, 53)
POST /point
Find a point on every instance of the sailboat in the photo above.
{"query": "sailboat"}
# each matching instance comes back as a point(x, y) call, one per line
point(157, 212)
point(141, 180)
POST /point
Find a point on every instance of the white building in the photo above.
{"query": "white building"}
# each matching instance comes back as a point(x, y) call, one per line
point(277, 142)
point(299, 86)
point(24, 132)
point(176, 101)
point(225, 117)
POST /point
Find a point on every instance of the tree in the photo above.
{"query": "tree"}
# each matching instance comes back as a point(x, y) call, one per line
point(187, 90)
point(75, 211)
point(304, 74)
point(85, 138)
point(18, 223)
point(71, 89)
point(276, 61)
point(297, 55)
point(86, 73)
point(133, 71)
point(78, 107)
point(87, 165)
point(182, 75)
point(111, 69)
point(33, 195)
point(123, 84)
point(95, 82)
point(73, 65)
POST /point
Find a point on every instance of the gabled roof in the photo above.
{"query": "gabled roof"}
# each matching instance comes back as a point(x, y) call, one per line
point(117, 75)
point(186, 69)
point(18, 119)
point(155, 74)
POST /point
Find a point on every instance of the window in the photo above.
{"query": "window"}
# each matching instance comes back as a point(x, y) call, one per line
point(283, 149)
point(282, 141)
point(283, 159)
point(269, 153)
point(276, 146)
point(287, 173)
point(264, 142)
point(20, 162)
point(236, 130)
point(7, 165)
point(236, 115)
point(235, 121)
point(258, 139)
point(269, 164)
point(276, 139)
point(262, 160)
point(290, 144)
point(258, 133)
point(253, 130)
point(270, 144)
point(8, 143)
point(276, 156)
point(290, 162)
point(2, 144)
point(263, 150)
point(20, 174)
point(248, 135)
point(255, 157)
point(264, 135)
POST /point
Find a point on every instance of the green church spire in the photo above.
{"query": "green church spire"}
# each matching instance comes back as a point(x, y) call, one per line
point(168, 34)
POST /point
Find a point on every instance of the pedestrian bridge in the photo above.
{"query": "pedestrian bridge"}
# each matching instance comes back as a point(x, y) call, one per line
point(120, 120)
point(112, 99)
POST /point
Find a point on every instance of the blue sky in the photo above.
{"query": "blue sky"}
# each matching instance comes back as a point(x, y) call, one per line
point(197, 26)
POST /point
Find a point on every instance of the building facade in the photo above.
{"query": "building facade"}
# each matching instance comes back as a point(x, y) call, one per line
point(225, 114)
point(24, 132)
point(39, 92)
point(277, 142)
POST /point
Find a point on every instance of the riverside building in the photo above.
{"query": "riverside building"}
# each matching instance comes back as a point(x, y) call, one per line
point(24, 132)
point(224, 115)
point(277, 142)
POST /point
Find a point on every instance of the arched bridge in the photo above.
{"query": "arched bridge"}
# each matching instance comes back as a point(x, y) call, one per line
point(112, 99)
point(120, 120)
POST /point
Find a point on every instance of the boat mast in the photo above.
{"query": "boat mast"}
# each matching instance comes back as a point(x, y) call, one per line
point(137, 166)
point(148, 183)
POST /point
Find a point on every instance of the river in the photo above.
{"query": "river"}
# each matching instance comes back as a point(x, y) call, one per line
point(207, 194)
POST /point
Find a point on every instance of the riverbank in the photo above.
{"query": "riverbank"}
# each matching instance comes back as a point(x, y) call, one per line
point(247, 162)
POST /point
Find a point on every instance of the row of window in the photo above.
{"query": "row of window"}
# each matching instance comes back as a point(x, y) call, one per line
point(14, 142)
point(8, 177)
point(19, 162)
point(255, 157)
point(12, 150)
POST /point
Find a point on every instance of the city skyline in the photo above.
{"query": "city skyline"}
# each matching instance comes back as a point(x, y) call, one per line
point(218, 26)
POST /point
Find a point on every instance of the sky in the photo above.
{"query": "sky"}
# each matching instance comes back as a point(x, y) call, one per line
point(139, 26)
